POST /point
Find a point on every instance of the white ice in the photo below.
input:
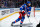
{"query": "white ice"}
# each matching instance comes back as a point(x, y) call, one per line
point(7, 22)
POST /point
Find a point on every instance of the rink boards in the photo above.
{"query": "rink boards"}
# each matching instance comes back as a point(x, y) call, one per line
point(7, 18)
point(6, 12)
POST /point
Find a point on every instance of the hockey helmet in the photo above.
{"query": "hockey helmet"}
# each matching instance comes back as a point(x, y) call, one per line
point(28, 2)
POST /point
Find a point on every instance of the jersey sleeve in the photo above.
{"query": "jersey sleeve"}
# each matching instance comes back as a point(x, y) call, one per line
point(30, 9)
point(21, 8)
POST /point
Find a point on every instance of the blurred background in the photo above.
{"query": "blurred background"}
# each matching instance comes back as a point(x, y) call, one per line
point(10, 7)
point(18, 3)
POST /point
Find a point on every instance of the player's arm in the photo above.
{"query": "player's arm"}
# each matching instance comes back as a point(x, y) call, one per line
point(29, 9)
point(21, 8)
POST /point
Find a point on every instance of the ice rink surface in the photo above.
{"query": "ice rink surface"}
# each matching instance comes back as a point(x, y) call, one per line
point(7, 22)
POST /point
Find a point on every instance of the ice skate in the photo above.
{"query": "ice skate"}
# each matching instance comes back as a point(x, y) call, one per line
point(12, 24)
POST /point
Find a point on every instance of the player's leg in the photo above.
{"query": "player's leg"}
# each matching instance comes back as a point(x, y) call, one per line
point(22, 21)
point(28, 14)
point(15, 21)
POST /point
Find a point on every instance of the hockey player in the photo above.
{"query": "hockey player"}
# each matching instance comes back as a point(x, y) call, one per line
point(21, 17)
point(27, 8)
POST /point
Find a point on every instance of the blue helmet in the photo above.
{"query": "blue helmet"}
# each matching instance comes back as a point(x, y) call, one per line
point(24, 4)
point(28, 2)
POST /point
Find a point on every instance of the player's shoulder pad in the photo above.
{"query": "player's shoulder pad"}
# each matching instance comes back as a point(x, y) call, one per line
point(25, 4)
point(30, 6)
